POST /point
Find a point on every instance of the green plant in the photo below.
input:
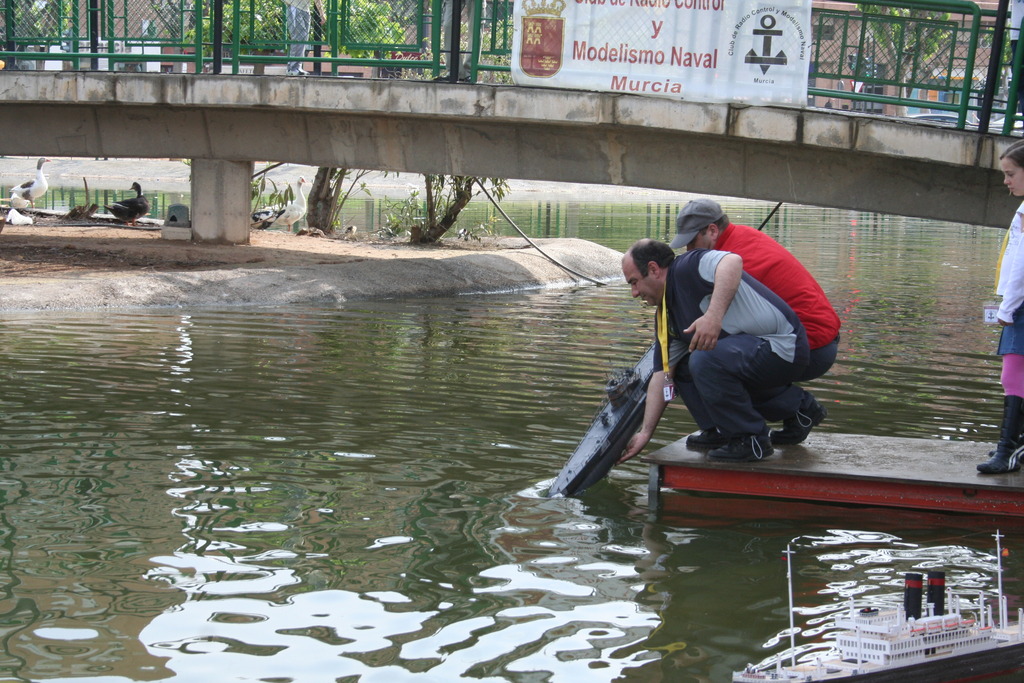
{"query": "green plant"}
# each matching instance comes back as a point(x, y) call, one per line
point(257, 24)
point(274, 197)
point(903, 45)
point(369, 25)
point(398, 216)
point(446, 197)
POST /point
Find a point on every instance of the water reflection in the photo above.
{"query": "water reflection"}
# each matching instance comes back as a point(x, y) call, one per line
point(317, 494)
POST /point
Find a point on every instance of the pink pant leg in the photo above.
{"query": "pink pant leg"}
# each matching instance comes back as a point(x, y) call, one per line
point(1013, 375)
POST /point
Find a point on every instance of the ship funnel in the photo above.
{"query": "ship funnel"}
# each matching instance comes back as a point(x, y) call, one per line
point(937, 592)
point(912, 595)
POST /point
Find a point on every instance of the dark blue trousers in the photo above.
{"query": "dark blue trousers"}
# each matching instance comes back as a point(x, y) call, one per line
point(739, 385)
point(821, 361)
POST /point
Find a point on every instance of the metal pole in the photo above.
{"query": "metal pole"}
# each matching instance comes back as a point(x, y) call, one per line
point(999, 576)
point(789, 582)
point(994, 62)
point(455, 41)
point(94, 32)
point(218, 34)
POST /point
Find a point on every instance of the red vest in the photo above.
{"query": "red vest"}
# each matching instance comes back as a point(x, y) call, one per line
point(780, 271)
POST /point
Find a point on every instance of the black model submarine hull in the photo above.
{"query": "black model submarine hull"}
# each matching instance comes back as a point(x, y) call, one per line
point(618, 419)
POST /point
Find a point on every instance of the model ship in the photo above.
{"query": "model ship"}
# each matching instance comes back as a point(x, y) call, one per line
point(902, 645)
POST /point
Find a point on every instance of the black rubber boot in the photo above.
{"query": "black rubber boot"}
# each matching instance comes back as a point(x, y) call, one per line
point(1006, 456)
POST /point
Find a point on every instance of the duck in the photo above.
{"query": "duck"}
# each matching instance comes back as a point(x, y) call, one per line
point(33, 189)
point(282, 218)
point(14, 217)
point(132, 209)
point(264, 218)
point(17, 201)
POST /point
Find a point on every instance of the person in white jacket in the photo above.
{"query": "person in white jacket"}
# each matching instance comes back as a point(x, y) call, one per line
point(1010, 286)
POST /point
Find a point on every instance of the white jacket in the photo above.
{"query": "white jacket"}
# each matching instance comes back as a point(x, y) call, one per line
point(1011, 270)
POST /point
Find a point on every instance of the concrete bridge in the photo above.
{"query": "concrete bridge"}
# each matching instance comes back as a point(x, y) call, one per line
point(225, 123)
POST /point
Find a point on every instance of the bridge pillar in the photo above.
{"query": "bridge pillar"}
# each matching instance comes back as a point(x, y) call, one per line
point(220, 201)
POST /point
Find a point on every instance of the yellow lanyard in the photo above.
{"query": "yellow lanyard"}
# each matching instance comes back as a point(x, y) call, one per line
point(663, 333)
point(663, 342)
point(1002, 253)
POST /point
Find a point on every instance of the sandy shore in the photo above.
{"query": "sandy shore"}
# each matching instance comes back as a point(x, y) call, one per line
point(82, 268)
point(59, 267)
point(385, 273)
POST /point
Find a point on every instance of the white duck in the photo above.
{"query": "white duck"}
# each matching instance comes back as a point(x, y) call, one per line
point(17, 201)
point(33, 189)
point(14, 217)
point(282, 218)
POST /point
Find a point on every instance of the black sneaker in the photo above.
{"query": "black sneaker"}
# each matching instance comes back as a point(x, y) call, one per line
point(795, 429)
point(744, 449)
point(705, 439)
point(1001, 462)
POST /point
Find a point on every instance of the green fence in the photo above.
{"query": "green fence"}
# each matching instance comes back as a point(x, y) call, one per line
point(393, 38)
point(927, 59)
point(941, 59)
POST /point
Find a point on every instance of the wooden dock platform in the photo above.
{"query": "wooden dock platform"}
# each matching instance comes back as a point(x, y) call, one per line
point(922, 474)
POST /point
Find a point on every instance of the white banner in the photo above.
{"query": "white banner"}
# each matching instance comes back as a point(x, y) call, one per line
point(698, 50)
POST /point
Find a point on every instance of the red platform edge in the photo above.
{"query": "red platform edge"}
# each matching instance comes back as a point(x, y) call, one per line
point(827, 489)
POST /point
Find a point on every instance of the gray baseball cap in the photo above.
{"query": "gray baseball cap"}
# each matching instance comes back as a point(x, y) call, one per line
point(694, 217)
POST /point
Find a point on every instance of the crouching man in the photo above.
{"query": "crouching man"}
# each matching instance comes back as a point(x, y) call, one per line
point(743, 373)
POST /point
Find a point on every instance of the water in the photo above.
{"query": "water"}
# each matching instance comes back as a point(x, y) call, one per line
point(354, 493)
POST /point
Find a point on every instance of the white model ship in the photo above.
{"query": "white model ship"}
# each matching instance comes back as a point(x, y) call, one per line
point(901, 645)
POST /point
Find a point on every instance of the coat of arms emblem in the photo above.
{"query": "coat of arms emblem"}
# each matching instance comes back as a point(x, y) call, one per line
point(540, 51)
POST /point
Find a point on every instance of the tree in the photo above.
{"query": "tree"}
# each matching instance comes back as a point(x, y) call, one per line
point(903, 45)
point(260, 23)
point(446, 197)
point(326, 197)
point(329, 194)
point(367, 25)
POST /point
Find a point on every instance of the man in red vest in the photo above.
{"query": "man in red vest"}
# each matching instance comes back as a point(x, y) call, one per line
point(702, 224)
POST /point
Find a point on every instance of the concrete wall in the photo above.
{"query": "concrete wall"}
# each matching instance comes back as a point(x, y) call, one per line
point(825, 158)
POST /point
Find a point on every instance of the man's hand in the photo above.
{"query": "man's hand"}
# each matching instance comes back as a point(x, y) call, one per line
point(705, 331)
point(633, 448)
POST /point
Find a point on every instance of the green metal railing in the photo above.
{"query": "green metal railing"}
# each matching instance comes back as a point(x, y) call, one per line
point(931, 57)
point(403, 37)
point(891, 57)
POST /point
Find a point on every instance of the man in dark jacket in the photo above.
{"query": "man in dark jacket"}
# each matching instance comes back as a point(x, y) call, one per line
point(738, 343)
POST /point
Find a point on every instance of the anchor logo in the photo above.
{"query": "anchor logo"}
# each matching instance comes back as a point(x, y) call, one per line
point(765, 59)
